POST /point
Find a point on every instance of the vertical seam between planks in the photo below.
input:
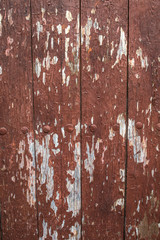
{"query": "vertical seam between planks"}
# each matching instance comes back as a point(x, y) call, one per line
point(1, 222)
point(126, 142)
point(34, 123)
point(61, 121)
point(80, 75)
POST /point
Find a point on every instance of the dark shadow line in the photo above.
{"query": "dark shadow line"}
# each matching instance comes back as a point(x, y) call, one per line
point(126, 141)
point(34, 122)
point(80, 76)
point(1, 222)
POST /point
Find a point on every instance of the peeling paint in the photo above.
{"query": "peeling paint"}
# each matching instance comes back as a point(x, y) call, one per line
point(89, 161)
point(86, 31)
point(39, 29)
point(122, 123)
point(69, 16)
point(122, 49)
point(76, 232)
point(38, 67)
point(118, 202)
point(144, 61)
point(74, 189)
point(139, 145)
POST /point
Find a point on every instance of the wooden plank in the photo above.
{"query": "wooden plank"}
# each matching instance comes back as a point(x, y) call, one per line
point(104, 81)
point(143, 194)
point(57, 113)
point(17, 165)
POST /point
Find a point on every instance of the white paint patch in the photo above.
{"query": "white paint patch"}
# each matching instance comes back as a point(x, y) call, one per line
point(10, 20)
point(46, 172)
point(89, 68)
point(102, 158)
point(86, 31)
point(52, 42)
point(21, 151)
point(46, 43)
point(122, 49)
point(118, 202)
point(122, 175)
point(137, 76)
point(96, 77)
point(97, 144)
point(55, 140)
point(111, 134)
point(101, 38)
point(28, 17)
point(69, 16)
point(157, 148)
point(131, 62)
point(54, 60)
point(39, 29)
point(45, 224)
point(66, 49)
point(144, 61)
point(44, 78)
point(122, 123)
point(47, 59)
point(63, 132)
point(0, 70)
point(93, 11)
point(74, 189)
point(67, 81)
point(76, 232)
point(74, 65)
point(89, 161)
point(96, 25)
point(29, 163)
point(148, 112)
point(38, 67)
point(112, 49)
point(138, 207)
point(139, 145)
point(63, 76)
point(77, 127)
point(54, 207)
point(54, 236)
point(67, 29)
point(59, 29)
point(43, 12)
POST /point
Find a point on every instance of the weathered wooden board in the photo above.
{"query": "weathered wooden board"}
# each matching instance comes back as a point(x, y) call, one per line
point(57, 116)
point(17, 163)
point(104, 84)
point(143, 187)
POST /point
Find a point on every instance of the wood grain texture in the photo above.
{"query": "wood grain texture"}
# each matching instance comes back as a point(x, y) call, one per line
point(57, 110)
point(104, 82)
point(17, 164)
point(143, 192)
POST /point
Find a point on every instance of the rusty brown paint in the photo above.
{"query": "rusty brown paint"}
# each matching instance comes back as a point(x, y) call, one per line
point(77, 53)
point(3, 131)
point(104, 82)
point(57, 105)
point(24, 130)
point(17, 163)
point(143, 178)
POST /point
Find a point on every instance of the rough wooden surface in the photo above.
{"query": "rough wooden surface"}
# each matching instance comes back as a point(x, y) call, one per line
point(17, 163)
point(57, 118)
point(64, 109)
point(104, 82)
point(143, 192)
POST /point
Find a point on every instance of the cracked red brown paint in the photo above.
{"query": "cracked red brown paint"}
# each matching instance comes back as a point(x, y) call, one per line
point(63, 150)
